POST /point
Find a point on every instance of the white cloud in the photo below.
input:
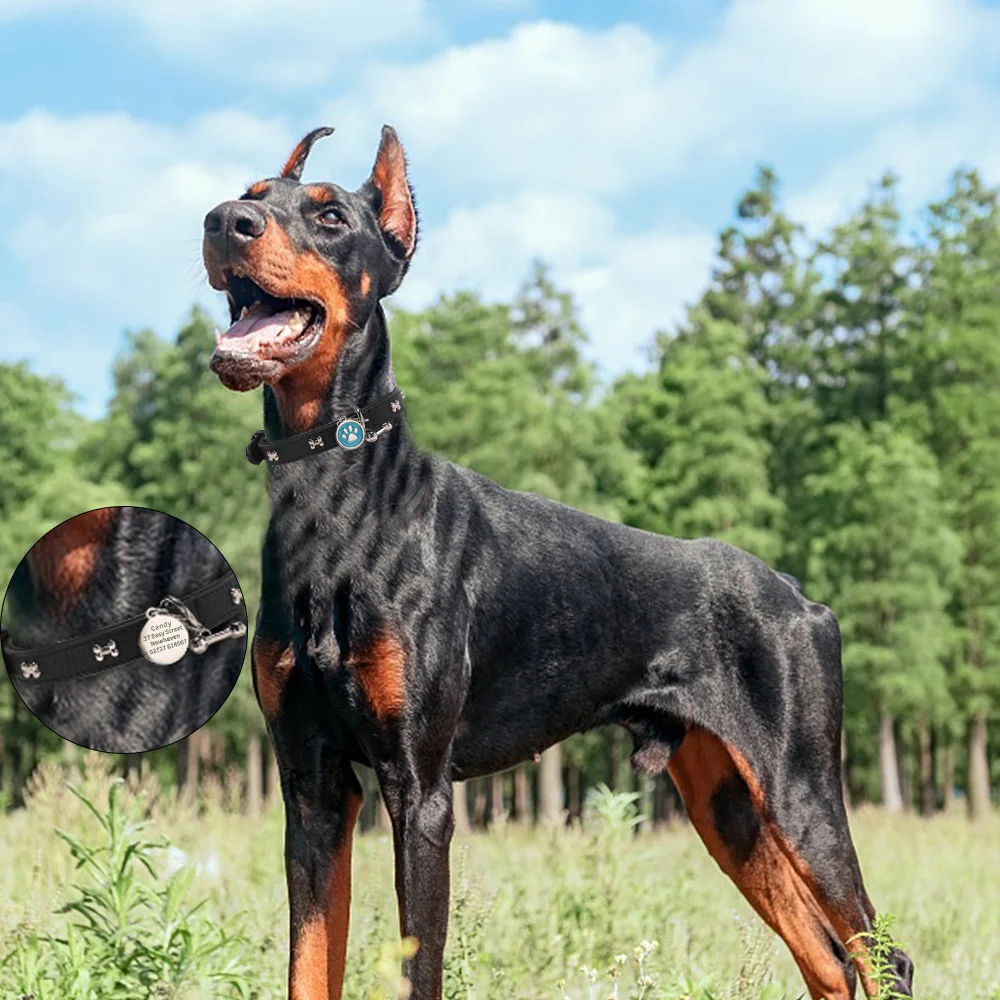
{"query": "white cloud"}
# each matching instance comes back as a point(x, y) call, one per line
point(824, 63)
point(922, 149)
point(603, 110)
point(115, 241)
point(553, 141)
point(286, 43)
point(550, 103)
point(627, 285)
point(104, 219)
point(117, 217)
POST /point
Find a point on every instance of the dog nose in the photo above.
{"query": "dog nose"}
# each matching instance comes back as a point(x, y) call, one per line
point(239, 221)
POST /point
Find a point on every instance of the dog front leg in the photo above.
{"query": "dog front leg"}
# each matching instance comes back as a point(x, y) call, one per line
point(423, 823)
point(319, 828)
point(322, 799)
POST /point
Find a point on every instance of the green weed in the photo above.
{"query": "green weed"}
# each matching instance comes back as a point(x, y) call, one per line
point(127, 933)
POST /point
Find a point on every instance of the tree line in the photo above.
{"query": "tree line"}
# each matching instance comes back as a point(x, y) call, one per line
point(831, 404)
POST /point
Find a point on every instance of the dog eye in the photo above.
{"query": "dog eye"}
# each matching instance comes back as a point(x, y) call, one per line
point(330, 217)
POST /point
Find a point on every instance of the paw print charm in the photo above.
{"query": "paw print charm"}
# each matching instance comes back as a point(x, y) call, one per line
point(350, 433)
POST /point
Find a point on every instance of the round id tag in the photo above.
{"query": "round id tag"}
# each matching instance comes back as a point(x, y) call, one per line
point(164, 639)
point(350, 433)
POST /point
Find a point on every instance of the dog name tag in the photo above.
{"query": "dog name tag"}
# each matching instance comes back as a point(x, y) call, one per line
point(350, 433)
point(164, 639)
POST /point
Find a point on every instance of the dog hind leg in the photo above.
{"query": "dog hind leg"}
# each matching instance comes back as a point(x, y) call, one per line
point(725, 804)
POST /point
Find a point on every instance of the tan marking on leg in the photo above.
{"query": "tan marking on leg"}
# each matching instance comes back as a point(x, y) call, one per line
point(379, 668)
point(319, 948)
point(271, 664)
point(847, 926)
point(64, 559)
point(307, 978)
point(767, 879)
point(338, 913)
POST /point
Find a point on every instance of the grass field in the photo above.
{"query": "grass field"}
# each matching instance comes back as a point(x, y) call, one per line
point(535, 914)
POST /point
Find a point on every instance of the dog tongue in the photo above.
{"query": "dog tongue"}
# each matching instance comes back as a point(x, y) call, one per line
point(257, 327)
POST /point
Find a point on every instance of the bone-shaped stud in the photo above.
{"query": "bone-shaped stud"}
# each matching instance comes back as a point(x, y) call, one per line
point(100, 652)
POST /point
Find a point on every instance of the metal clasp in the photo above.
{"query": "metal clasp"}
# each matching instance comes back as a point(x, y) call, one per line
point(201, 637)
point(373, 435)
point(172, 606)
point(201, 642)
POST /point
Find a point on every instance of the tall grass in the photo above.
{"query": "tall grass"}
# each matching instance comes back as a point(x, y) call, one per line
point(197, 908)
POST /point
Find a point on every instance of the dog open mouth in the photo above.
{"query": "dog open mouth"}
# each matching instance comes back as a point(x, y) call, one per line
point(268, 334)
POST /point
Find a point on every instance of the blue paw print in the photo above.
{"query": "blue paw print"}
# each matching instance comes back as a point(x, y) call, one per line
point(350, 434)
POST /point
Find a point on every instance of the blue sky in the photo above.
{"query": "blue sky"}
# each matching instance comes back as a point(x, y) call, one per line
point(609, 139)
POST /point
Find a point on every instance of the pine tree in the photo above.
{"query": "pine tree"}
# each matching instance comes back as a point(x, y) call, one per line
point(504, 390)
point(765, 282)
point(883, 555)
point(962, 328)
point(699, 426)
point(865, 339)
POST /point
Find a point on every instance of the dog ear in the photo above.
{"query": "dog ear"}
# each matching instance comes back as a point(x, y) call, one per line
point(391, 195)
point(294, 164)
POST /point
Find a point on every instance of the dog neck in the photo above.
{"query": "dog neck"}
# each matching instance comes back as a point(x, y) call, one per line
point(361, 374)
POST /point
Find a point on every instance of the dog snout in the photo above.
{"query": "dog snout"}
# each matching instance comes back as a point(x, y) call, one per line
point(236, 222)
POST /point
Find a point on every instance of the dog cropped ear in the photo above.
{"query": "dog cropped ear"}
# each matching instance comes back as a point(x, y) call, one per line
point(297, 160)
point(391, 195)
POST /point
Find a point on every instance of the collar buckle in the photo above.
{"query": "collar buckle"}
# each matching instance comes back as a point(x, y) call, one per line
point(254, 454)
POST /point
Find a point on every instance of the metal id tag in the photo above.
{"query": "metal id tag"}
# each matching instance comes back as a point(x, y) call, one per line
point(350, 433)
point(164, 639)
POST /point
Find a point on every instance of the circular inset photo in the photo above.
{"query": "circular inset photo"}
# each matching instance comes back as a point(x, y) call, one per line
point(124, 629)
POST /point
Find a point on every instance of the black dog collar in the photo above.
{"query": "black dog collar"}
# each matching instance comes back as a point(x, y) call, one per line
point(163, 635)
point(348, 432)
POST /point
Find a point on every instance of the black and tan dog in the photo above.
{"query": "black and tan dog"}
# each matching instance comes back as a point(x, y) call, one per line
point(419, 619)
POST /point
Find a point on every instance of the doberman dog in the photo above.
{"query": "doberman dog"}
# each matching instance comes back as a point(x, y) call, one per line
point(421, 620)
point(91, 572)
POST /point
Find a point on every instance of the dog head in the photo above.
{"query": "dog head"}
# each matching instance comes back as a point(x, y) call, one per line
point(303, 265)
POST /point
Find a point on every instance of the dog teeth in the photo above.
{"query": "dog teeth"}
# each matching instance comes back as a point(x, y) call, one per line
point(243, 312)
point(294, 327)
